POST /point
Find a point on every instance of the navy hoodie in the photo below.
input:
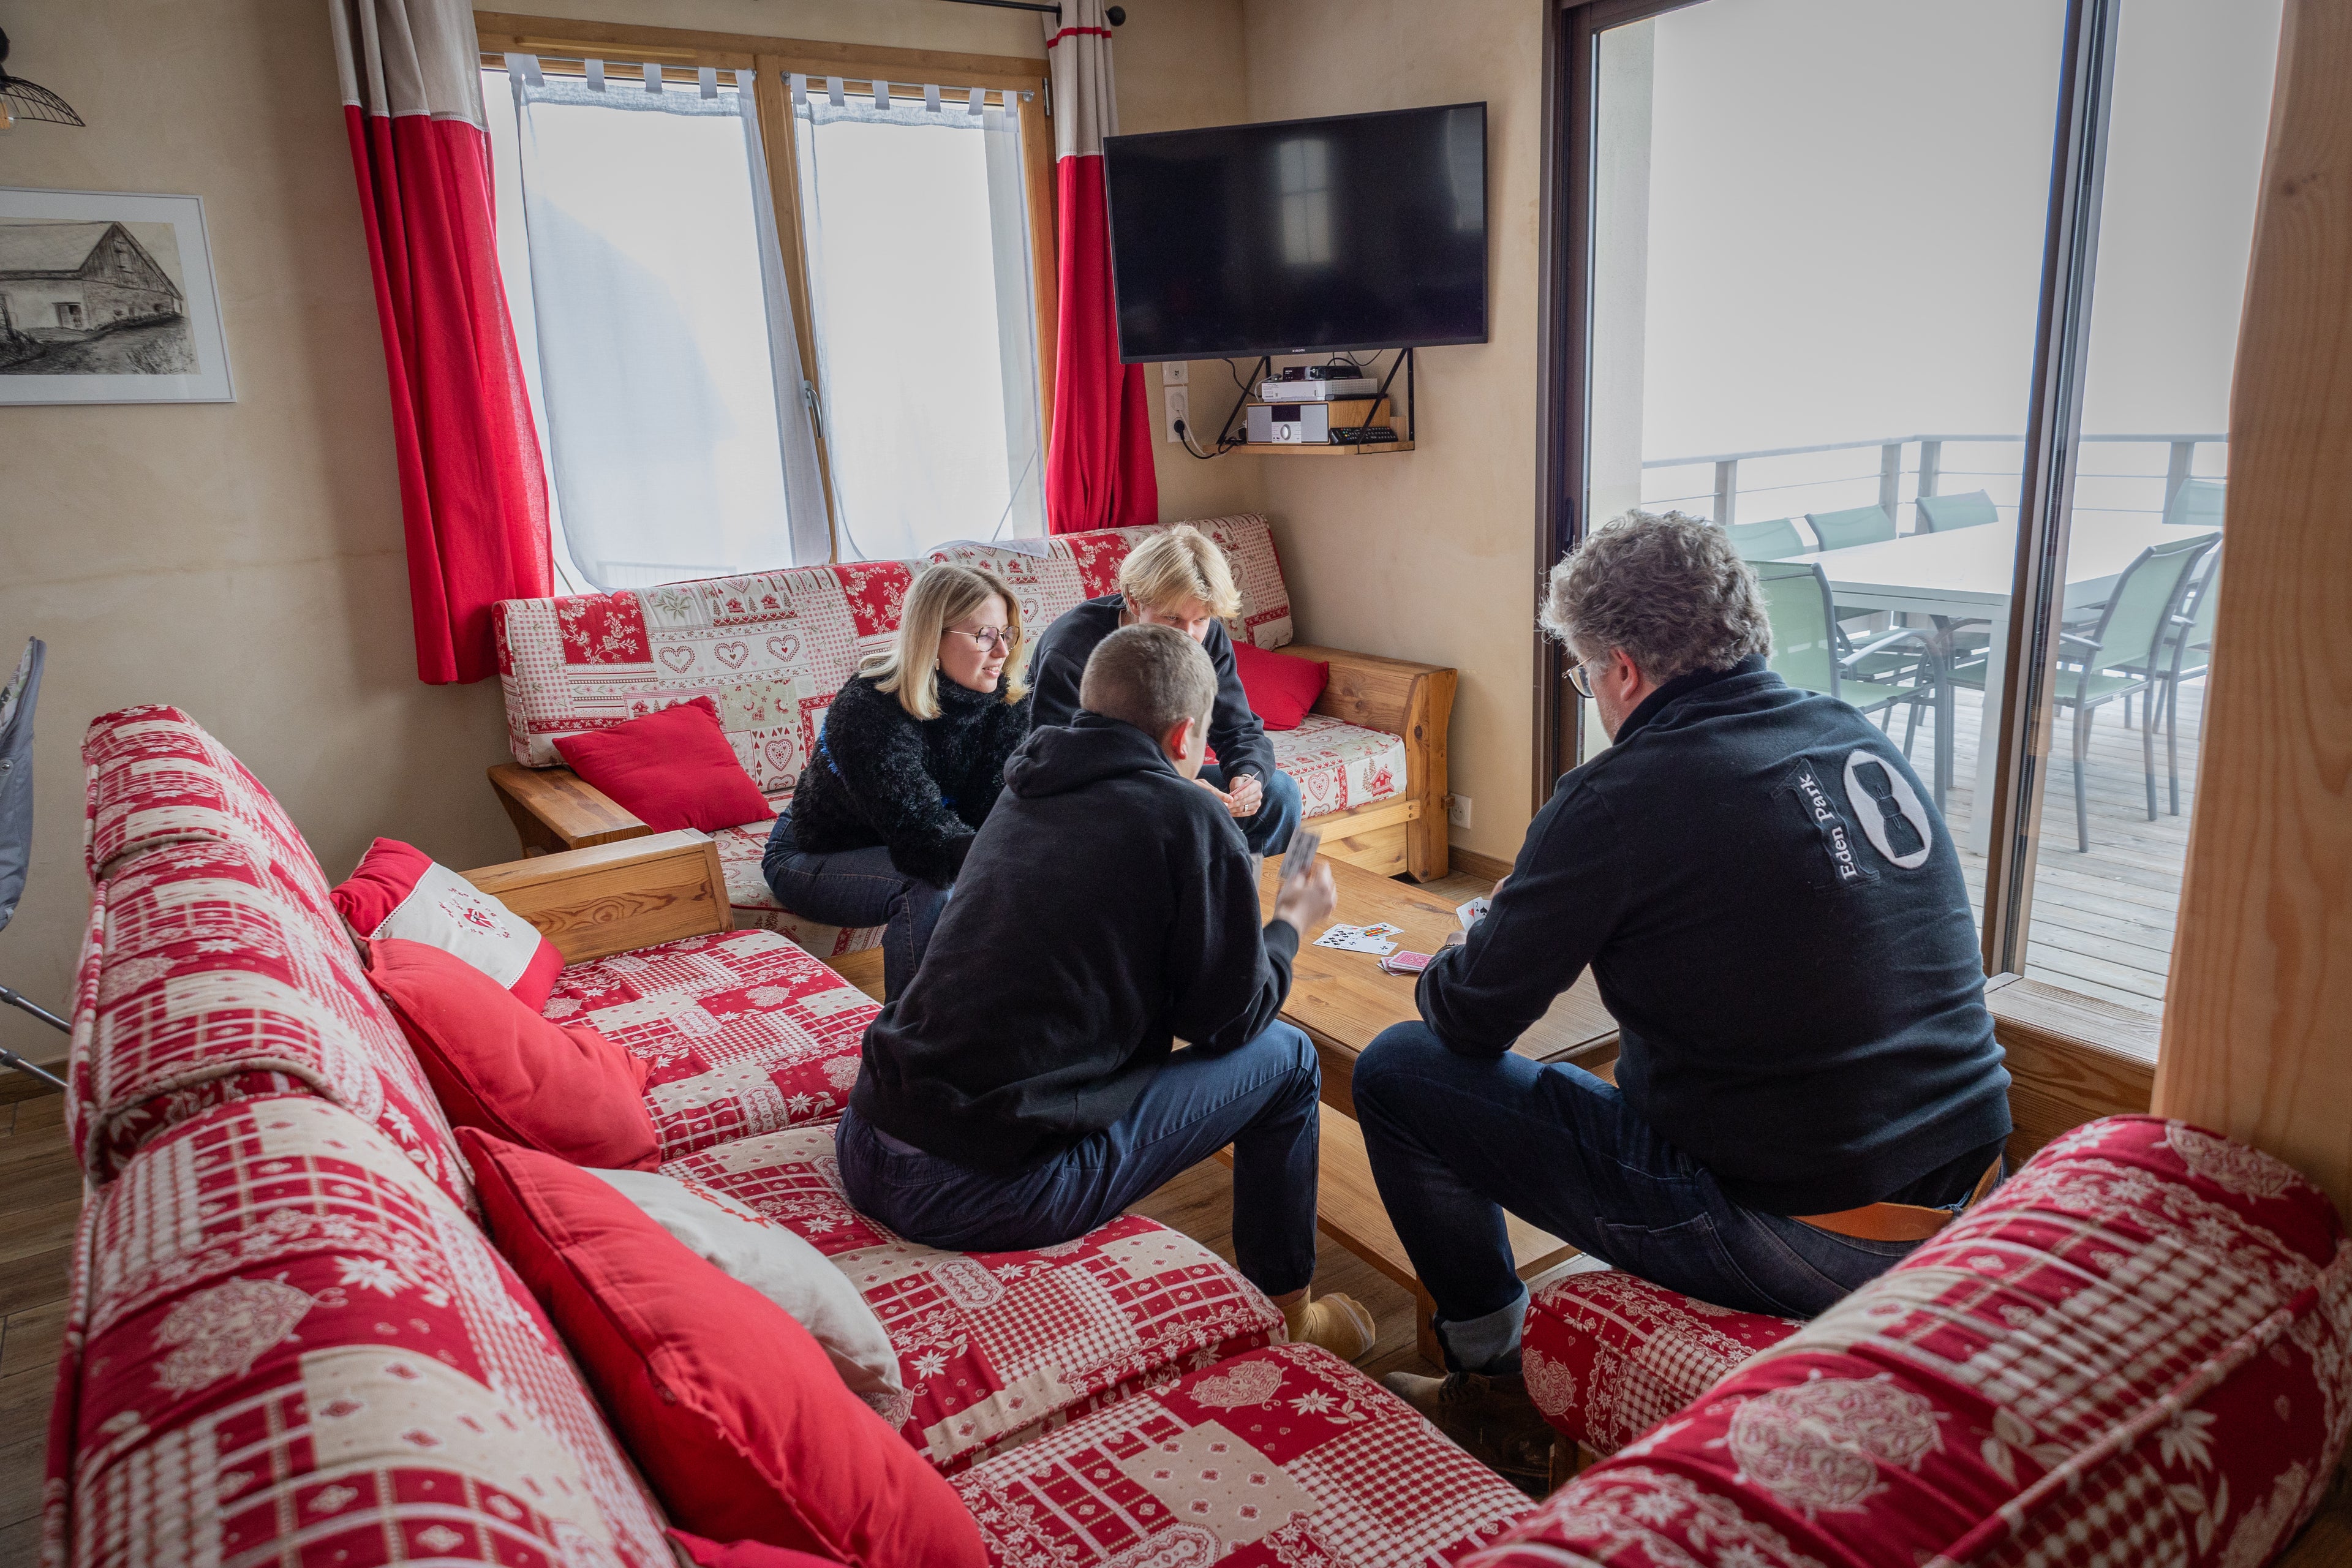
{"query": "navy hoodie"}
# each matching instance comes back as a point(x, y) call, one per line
point(1774, 913)
point(1107, 907)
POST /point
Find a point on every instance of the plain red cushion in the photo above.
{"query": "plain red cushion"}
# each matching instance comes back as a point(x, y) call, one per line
point(496, 1064)
point(397, 890)
point(669, 769)
point(728, 1406)
point(1280, 689)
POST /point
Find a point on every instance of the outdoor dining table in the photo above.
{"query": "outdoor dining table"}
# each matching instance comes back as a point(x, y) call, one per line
point(1966, 574)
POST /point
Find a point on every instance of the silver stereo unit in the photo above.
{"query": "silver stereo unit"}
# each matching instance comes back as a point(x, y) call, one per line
point(1290, 425)
point(1318, 391)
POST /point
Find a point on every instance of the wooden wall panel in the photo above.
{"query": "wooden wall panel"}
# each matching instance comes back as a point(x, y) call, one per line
point(2258, 1017)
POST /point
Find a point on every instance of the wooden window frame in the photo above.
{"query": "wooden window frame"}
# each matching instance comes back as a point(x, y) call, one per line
point(771, 61)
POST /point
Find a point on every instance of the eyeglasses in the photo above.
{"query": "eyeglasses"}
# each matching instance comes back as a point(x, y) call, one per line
point(1581, 682)
point(990, 638)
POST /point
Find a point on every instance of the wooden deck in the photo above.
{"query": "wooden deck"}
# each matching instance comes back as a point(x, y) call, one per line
point(2103, 920)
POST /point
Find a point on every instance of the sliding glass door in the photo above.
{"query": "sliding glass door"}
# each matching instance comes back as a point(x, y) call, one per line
point(1833, 274)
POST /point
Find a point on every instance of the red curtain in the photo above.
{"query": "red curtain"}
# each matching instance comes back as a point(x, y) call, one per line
point(472, 490)
point(1098, 471)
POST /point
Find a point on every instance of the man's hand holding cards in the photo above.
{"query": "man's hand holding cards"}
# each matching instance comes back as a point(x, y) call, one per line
point(1308, 894)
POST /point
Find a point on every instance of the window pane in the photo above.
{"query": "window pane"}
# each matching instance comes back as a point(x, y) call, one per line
point(921, 295)
point(2192, 103)
point(1817, 239)
point(650, 320)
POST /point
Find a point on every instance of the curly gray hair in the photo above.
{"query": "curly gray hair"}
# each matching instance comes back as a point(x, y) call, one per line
point(1668, 589)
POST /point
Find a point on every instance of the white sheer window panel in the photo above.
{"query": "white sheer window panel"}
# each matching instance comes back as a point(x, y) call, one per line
point(660, 348)
point(922, 297)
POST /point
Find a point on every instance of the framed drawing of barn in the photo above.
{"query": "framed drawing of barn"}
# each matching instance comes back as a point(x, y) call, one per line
point(108, 298)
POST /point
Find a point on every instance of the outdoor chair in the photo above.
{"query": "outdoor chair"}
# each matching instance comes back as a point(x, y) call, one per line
point(1941, 514)
point(1810, 649)
point(2118, 658)
point(1774, 540)
point(2192, 654)
point(1855, 525)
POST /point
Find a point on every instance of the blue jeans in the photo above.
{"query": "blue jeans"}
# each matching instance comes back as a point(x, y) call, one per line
point(856, 887)
point(1268, 833)
point(1260, 1098)
point(1454, 1141)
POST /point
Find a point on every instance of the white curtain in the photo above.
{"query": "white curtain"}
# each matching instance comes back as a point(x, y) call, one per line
point(923, 298)
point(669, 371)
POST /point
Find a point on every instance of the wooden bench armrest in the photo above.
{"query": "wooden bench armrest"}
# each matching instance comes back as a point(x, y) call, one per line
point(613, 897)
point(1412, 700)
point(555, 809)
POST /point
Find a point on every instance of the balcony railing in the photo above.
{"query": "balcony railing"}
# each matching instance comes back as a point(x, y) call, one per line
point(1930, 471)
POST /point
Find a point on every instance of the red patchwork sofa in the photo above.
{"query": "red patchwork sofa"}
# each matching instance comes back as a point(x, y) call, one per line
point(771, 650)
point(290, 1340)
point(2138, 1351)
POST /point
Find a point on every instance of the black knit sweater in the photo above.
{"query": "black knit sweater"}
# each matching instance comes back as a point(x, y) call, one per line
point(922, 787)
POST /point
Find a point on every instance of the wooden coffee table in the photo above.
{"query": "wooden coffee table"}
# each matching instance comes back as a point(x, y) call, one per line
point(1343, 999)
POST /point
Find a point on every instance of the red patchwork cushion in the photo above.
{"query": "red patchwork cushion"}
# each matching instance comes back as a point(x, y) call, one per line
point(287, 1346)
point(729, 1406)
point(1283, 1455)
point(741, 1032)
point(495, 1064)
point(1281, 688)
point(994, 1346)
point(1608, 1356)
point(669, 769)
point(2137, 1350)
point(399, 891)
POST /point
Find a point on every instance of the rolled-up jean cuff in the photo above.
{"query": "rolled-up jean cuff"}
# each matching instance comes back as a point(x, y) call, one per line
point(1490, 1345)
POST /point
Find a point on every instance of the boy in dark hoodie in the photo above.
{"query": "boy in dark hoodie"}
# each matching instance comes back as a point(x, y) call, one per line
point(1025, 1088)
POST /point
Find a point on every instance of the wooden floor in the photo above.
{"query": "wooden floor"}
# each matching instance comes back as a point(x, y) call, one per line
point(2102, 919)
point(40, 1199)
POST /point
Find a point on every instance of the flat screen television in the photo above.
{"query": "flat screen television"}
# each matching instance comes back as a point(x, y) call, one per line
point(1356, 232)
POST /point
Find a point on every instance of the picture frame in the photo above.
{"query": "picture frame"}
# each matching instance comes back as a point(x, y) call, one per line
point(108, 297)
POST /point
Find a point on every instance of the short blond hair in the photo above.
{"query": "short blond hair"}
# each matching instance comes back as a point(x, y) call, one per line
point(940, 597)
point(1182, 564)
point(1153, 678)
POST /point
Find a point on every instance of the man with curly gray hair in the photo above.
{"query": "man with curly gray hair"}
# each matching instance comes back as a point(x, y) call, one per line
point(1807, 1082)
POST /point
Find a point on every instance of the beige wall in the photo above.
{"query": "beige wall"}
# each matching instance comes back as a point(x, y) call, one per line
point(245, 560)
point(1429, 554)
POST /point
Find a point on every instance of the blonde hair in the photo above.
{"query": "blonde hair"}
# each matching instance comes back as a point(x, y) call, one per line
point(1182, 564)
point(1153, 678)
point(940, 597)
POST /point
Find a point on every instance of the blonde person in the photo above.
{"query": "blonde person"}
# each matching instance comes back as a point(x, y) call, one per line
point(1180, 579)
point(908, 760)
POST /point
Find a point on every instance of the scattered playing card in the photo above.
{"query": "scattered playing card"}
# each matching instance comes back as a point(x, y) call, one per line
point(1355, 939)
point(1382, 928)
point(1471, 913)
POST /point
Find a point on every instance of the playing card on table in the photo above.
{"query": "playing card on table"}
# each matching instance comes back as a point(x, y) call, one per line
point(1355, 939)
point(1382, 928)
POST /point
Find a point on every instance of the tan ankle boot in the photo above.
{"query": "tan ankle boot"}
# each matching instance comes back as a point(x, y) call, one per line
point(1337, 1323)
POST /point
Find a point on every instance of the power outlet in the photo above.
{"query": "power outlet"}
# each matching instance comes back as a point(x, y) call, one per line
point(1457, 810)
point(1175, 403)
point(1175, 373)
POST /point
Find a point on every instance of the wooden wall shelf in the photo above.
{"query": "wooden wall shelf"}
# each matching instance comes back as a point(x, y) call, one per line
point(1271, 450)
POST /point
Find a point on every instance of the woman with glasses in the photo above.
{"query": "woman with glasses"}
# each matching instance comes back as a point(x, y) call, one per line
point(908, 760)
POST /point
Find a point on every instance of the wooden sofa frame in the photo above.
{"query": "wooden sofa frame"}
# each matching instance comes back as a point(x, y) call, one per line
point(555, 810)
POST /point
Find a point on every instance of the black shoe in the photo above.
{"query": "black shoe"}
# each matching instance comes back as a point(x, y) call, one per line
point(1489, 1415)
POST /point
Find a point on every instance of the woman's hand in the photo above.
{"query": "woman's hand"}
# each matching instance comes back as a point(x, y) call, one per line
point(1246, 795)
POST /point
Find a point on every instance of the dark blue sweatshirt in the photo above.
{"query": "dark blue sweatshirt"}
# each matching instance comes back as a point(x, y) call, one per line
point(1106, 907)
point(1774, 912)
